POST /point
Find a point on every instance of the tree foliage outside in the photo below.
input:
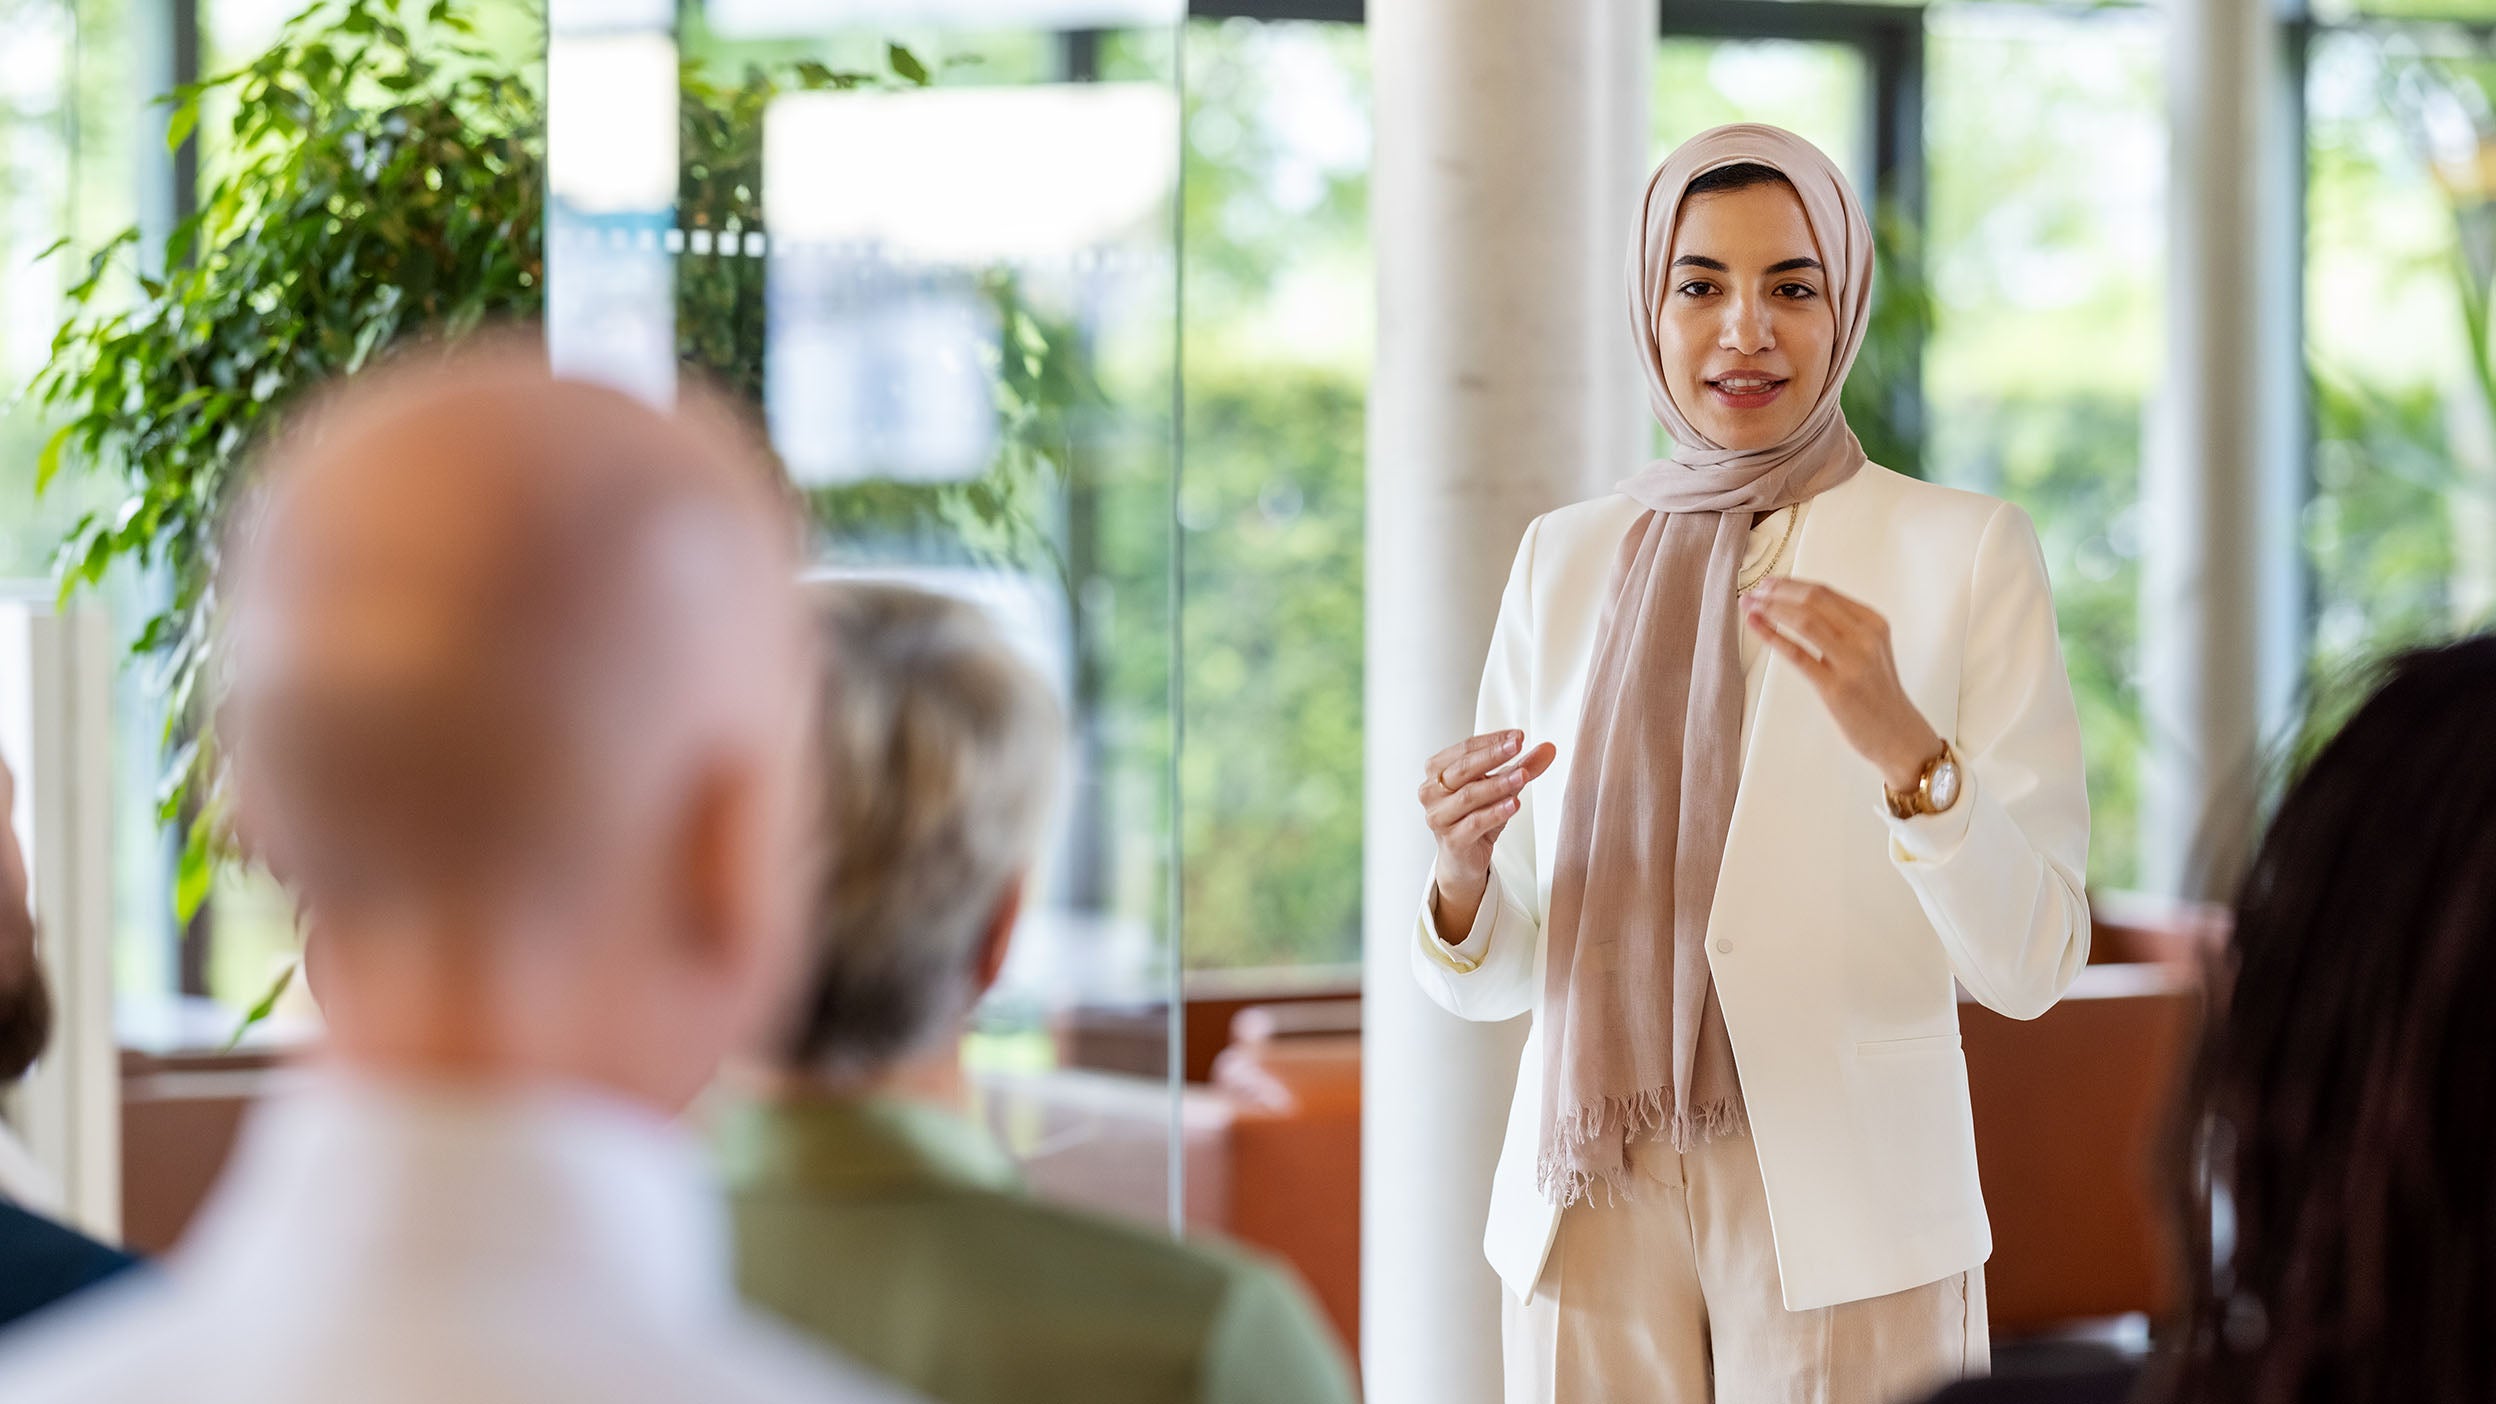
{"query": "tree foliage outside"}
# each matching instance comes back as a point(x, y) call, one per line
point(2401, 531)
point(1271, 506)
point(382, 179)
point(63, 121)
point(1272, 774)
point(2073, 461)
point(381, 186)
point(1044, 382)
point(2040, 403)
point(2045, 138)
point(2039, 330)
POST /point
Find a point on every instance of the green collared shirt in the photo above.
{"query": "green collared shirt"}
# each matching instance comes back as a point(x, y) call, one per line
point(898, 1234)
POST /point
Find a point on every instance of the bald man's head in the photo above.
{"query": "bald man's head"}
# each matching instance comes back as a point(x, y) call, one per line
point(485, 625)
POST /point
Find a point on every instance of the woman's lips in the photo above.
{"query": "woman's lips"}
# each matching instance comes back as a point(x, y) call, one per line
point(1746, 391)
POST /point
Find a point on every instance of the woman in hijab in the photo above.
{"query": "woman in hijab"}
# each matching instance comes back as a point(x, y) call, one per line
point(1807, 756)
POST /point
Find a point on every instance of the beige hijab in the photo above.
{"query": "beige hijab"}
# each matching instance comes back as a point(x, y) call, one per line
point(1634, 1042)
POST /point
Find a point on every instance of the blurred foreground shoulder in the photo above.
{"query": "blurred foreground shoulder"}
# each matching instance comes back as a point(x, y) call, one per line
point(42, 1263)
point(1269, 1345)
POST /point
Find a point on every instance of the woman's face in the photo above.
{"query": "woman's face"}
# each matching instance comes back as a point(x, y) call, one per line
point(1745, 325)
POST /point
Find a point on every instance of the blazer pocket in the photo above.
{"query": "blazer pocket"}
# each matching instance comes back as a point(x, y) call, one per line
point(1895, 1047)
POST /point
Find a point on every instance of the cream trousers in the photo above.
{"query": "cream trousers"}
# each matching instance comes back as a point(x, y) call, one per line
point(1672, 1297)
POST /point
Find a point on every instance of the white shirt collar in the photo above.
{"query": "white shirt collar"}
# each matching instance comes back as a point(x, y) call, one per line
point(350, 1185)
point(23, 1180)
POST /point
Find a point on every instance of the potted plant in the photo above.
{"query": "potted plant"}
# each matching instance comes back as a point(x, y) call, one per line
point(382, 180)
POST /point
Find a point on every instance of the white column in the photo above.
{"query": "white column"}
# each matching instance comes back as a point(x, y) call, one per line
point(2220, 629)
point(1511, 145)
point(56, 717)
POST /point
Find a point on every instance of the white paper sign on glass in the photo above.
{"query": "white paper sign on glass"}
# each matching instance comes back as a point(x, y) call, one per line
point(609, 16)
point(975, 176)
point(877, 372)
point(611, 173)
point(783, 19)
point(885, 212)
point(610, 304)
point(611, 123)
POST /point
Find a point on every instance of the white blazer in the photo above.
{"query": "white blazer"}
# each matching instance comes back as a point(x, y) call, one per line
point(1837, 931)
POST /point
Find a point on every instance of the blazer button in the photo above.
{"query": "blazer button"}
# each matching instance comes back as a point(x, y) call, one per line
point(1724, 948)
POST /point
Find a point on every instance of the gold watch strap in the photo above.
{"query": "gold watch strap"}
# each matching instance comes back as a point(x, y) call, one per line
point(1916, 800)
point(1905, 806)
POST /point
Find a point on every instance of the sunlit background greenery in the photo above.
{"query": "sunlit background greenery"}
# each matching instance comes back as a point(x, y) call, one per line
point(2043, 260)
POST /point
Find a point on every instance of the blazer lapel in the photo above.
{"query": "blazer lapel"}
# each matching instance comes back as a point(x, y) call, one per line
point(1796, 763)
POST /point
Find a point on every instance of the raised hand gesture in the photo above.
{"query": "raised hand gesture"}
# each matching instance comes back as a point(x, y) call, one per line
point(1469, 792)
point(1842, 645)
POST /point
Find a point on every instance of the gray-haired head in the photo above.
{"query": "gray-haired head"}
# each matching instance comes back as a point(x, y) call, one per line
point(941, 751)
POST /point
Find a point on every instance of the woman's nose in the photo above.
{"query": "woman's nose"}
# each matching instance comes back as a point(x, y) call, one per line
point(1745, 329)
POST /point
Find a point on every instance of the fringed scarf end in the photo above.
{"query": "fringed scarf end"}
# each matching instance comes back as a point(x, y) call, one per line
point(1725, 1118)
point(1566, 1172)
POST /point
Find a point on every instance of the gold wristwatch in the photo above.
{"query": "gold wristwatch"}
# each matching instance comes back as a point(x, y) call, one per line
point(1935, 790)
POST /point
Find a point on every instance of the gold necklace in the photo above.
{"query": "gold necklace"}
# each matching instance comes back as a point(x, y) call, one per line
point(1744, 587)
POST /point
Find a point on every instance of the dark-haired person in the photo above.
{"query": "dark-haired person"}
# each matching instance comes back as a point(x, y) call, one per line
point(867, 1210)
point(41, 1261)
point(1809, 757)
point(2344, 1102)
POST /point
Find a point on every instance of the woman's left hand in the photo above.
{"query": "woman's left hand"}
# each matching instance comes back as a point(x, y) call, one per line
point(1842, 645)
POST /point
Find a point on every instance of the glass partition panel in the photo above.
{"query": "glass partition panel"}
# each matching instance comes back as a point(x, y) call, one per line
point(2400, 533)
point(935, 248)
point(1279, 297)
point(71, 144)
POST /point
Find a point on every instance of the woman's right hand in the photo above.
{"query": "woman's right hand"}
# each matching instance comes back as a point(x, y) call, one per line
point(1469, 793)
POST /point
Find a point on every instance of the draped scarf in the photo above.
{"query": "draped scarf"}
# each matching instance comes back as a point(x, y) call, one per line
point(1635, 1045)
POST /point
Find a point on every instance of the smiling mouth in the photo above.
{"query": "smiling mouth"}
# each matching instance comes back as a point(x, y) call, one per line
point(1746, 391)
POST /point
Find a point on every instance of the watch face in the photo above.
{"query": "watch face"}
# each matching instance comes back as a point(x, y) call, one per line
point(1945, 785)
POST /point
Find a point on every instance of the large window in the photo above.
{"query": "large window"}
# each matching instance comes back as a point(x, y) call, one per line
point(2400, 259)
point(56, 143)
point(939, 252)
point(2014, 155)
point(242, 943)
point(1818, 89)
point(1278, 331)
point(68, 154)
point(2045, 137)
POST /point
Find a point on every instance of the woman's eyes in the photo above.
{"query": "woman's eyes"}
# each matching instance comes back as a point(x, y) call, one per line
point(1797, 292)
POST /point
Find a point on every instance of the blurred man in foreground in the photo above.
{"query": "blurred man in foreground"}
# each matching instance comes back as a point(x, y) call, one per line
point(41, 1261)
point(517, 667)
point(943, 751)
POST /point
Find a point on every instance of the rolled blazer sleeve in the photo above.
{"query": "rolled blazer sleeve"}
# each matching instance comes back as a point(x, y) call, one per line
point(2001, 874)
point(1489, 975)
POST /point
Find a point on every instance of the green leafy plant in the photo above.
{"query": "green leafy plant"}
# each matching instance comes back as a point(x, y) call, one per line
point(1884, 393)
point(382, 180)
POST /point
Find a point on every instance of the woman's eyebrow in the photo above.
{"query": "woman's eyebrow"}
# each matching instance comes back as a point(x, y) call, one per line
point(1788, 265)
